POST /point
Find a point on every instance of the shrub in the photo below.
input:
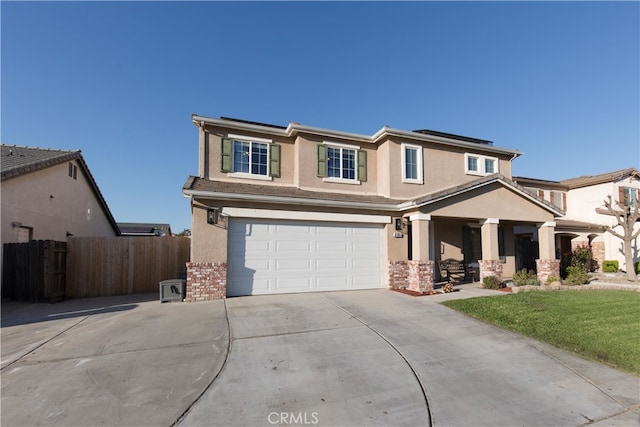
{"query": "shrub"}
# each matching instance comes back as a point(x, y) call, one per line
point(552, 279)
point(533, 282)
point(637, 266)
point(491, 282)
point(610, 266)
point(524, 276)
point(576, 275)
point(582, 257)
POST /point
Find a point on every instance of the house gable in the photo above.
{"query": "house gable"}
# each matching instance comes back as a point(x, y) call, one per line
point(52, 193)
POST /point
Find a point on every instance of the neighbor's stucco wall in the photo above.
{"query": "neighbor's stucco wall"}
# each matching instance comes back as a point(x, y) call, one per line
point(582, 204)
point(53, 204)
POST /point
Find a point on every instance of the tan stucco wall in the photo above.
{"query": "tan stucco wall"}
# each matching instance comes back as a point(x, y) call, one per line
point(73, 208)
point(308, 166)
point(443, 166)
point(210, 159)
point(491, 201)
point(209, 241)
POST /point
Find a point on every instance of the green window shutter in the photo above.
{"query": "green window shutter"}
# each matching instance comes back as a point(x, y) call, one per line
point(274, 160)
point(362, 165)
point(322, 160)
point(227, 153)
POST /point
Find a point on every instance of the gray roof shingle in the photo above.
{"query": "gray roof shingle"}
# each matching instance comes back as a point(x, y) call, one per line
point(17, 160)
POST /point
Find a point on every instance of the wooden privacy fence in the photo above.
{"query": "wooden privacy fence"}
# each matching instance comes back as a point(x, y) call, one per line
point(34, 271)
point(105, 266)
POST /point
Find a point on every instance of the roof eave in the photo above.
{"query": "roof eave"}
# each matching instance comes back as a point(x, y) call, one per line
point(214, 195)
point(295, 128)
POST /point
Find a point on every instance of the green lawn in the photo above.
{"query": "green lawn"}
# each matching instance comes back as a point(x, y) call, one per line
point(600, 325)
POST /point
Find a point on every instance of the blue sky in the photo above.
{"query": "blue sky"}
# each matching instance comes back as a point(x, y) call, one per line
point(120, 80)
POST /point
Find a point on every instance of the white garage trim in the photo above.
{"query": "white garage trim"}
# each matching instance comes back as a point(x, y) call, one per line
point(304, 216)
point(272, 256)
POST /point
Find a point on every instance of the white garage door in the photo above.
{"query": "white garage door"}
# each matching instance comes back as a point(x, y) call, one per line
point(272, 256)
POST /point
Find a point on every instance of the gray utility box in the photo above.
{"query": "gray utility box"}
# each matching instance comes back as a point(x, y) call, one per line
point(172, 290)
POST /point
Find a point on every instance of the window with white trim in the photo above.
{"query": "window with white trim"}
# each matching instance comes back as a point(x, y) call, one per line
point(342, 163)
point(476, 164)
point(628, 196)
point(412, 164)
point(250, 157)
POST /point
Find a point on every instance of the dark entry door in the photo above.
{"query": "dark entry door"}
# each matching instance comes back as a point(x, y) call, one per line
point(527, 251)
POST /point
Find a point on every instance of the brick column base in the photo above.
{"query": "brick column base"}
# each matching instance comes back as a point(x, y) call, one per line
point(597, 248)
point(490, 267)
point(546, 268)
point(206, 281)
point(412, 275)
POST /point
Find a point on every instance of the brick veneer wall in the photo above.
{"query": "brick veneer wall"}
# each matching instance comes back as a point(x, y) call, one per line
point(421, 275)
point(546, 268)
point(206, 281)
point(490, 267)
point(598, 254)
point(413, 275)
point(398, 274)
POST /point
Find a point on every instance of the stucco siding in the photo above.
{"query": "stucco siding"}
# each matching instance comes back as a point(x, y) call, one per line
point(53, 204)
point(492, 201)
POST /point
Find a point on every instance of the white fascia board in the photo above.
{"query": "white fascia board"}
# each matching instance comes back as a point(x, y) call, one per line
point(387, 131)
point(304, 216)
point(289, 200)
point(239, 125)
point(525, 194)
point(294, 128)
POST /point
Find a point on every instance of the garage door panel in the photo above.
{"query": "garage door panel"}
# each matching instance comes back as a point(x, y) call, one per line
point(363, 264)
point(283, 245)
point(278, 256)
point(332, 266)
point(297, 265)
point(332, 246)
point(293, 284)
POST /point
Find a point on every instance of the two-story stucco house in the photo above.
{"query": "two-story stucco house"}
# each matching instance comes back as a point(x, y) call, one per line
point(582, 198)
point(292, 209)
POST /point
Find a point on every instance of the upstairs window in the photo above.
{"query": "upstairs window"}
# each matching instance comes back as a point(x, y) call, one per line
point(342, 163)
point(73, 171)
point(628, 196)
point(475, 164)
point(250, 157)
point(412, 164)
point(558, 198)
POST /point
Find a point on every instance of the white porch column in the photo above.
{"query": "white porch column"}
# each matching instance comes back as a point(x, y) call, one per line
point(420, 224)
point(546, 240)
point(490, 264)
point(547, 265)
point(489, 236)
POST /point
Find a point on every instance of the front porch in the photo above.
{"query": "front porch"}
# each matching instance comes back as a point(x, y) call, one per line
point(478, 228)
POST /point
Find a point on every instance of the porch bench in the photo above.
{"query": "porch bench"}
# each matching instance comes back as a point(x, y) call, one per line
point(453, 270)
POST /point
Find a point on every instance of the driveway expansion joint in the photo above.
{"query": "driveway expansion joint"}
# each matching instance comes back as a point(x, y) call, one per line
point(396, 349)
point(215, 377)
point(281, 334)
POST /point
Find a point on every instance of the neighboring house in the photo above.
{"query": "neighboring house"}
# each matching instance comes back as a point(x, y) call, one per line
point(144, 229)
point(298, 208)
point(50, 195)
point(585, 217)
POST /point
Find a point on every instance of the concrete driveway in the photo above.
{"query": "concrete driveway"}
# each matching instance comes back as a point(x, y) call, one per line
point(382, 358)
point(119, 361)
point(340, 358)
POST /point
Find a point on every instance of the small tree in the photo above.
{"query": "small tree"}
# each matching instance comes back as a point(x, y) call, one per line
point(627, 215)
